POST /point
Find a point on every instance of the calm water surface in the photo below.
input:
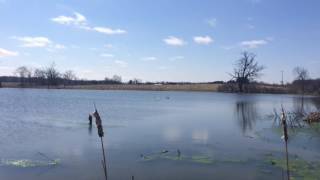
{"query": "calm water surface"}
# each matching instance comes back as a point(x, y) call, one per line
point(219, 136)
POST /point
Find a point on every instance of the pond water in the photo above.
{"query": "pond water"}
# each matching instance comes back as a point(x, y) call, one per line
point(152, 135)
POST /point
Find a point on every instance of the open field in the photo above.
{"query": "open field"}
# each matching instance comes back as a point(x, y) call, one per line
point(149, 87)
point(205, 87)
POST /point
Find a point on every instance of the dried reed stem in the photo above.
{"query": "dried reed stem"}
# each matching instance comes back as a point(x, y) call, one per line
point(285, 134)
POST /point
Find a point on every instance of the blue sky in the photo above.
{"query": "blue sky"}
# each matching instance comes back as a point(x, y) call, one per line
point(153, 40)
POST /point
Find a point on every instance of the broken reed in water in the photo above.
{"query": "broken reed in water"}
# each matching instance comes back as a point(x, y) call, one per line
point(101, 134)
point(285, 136)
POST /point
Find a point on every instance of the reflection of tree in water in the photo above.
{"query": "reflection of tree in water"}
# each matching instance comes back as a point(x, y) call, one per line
point(300, 106)
point(246, 115)
point(304, 105)
point(316, 103)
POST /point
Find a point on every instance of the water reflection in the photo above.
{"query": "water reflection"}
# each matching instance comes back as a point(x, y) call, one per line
point(200, 136)
point(299, 106)
point(304, 105)
point(172, 134)
point(246, 114)
point(316, 103)
point(90, 129)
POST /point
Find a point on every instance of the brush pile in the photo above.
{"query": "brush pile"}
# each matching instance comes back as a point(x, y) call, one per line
point(313, 117)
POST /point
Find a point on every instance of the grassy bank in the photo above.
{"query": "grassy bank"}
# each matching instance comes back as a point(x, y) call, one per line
point(145, 87)
point(200, 87)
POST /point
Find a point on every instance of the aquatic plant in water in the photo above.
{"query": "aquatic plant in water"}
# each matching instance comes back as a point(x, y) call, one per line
point(198, 159)
point(299, 168)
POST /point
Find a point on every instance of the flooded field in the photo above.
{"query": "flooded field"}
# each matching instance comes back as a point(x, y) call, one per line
point(153, 135)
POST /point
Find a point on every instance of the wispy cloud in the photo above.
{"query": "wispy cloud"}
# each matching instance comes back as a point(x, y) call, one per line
point(80, 21)
point(163, 68)
point(251, 26)
point(106, 55)
point(39, 42)
point(120, 63)
point(77, 19)
point(175, 58)
point(205, 40)
point(150, 58)
point(109, 31)
point(28, 41)
point(253, 43)
point(6, 53)
point(59, 46)
point(108, 46)
point(174, 41)
point(212, 22)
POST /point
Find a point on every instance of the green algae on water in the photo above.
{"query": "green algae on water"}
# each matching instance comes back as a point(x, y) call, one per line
point(198, 159)
point(299, 169)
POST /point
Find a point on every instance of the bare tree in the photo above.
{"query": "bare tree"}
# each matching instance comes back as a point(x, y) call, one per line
point(117, 78)
point(68, 76)
point(301, 75)
point(23, 72)
point(39, 76)
point(52, 75)
point(246, 70)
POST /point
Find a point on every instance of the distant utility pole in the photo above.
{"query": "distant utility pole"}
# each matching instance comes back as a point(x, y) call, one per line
point(282, 83)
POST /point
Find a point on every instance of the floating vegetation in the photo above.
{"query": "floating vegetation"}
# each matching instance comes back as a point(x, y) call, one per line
point(198, 159)
point(26, 163)
point(299, 168)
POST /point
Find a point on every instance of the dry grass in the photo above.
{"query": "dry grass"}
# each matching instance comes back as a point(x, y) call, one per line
point(150, 87)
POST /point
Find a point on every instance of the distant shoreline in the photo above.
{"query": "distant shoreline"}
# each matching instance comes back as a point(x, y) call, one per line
point(191, 87)
point(145, 87)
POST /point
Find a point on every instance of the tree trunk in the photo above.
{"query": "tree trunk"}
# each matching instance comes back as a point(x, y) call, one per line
point(240, 87)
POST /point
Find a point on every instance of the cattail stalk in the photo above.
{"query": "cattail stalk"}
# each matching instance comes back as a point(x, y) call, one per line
point(101, 134)
point(285, 134)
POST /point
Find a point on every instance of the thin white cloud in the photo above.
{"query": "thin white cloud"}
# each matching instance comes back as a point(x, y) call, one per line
point(77, 19)
point(80, 21)
point(109, 31)
point(253, 43)
point(120, 63)
point(59, 46)
point(163, 68)
point(211, 22)
point(108, 46)
point(39, 42)
point(7, 53)
point(175, 58)
point(150, 58)
point(251, 26)
point(28, 41)
point(205, 40)
point(270, 38)
point(174, 41)
point(228, 47)
point(106, 55)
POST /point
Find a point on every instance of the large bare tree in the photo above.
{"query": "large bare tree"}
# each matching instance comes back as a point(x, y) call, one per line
point(39, 76)
point(68, 76)
point(301, 75)
point(246, 70)
point(24, 73)
point(52, 75)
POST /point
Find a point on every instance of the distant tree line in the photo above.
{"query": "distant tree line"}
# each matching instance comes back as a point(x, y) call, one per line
point(244, 78)
point(247, 70)
point(50, 76)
